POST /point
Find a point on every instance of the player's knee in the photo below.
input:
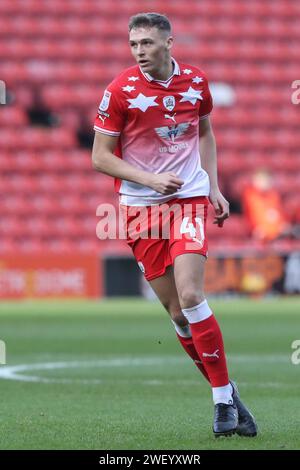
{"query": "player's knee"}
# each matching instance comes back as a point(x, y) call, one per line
point(190, 297)
point(172, 306)
point(179, 319)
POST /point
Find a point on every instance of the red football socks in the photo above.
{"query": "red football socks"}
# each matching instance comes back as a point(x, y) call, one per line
point(188, 346)
point(208, 343)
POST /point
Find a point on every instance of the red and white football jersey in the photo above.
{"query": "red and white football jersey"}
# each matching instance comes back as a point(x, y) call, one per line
point(158, 127)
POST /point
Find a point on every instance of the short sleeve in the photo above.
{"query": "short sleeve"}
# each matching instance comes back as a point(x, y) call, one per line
point(206, 105)
point(111, 114)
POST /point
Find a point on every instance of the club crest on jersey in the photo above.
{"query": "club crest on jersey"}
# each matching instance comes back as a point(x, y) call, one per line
point(105, 101)
point(169, 102)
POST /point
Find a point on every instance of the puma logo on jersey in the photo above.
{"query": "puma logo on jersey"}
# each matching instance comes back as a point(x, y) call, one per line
point(214, 354)
point(167, 116)
point(102, 119)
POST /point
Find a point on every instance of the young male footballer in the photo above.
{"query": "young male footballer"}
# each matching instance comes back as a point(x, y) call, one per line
point(153, 135)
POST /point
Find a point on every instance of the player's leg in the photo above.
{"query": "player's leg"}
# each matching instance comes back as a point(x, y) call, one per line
point(189, 277)
point(188, 248)
point(153, 258)
point(165, 289)
point(207, 337)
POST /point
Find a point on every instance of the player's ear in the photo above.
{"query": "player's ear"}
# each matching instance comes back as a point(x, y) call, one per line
point(169, 42)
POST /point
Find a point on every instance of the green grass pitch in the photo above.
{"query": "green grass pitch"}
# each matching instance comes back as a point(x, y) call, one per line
point(112, 375)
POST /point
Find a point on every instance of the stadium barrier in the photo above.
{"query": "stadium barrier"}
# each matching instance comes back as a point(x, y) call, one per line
point(46, 276)
point(89, 275)
point(251, 274)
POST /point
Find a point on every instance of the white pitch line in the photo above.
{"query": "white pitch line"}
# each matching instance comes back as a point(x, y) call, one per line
point(15, 372)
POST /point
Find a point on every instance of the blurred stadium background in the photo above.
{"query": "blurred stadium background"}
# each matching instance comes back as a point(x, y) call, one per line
point(56, 59)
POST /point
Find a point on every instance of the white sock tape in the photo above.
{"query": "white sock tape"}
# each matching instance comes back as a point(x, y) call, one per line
point(183, 331)
point(197, 313)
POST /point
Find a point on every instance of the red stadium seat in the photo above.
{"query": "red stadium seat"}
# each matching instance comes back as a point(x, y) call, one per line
point(31, 245)
point(50, 184)
point(8, 246)
point(14, 205)
point(12, 116)
point(21, 185)
point(63, 245)
point(69, 52)
point(71, 204)
point(66, 227)
point(36, 224)
point(12, 226)
point(88, 246)
point(26, 162)
point(44, 204)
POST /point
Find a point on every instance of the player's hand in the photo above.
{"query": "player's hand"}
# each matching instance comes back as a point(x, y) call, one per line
point(166, 183)
point(221, 207)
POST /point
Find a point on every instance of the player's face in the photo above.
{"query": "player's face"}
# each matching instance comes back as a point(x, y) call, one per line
point(150, 48)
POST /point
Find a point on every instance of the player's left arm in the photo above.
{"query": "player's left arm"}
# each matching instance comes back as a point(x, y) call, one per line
point(208, 152)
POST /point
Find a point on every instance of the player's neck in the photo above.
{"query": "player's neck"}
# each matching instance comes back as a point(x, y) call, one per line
point(164, 72)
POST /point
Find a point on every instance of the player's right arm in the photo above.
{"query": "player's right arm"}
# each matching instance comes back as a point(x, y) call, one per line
point(106, 162)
